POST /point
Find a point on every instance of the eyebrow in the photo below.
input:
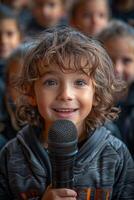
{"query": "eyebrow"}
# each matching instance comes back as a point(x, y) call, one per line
point(52, 72)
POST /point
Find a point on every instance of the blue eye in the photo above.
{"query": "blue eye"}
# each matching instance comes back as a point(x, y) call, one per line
point(80, 82)
point(50, 82)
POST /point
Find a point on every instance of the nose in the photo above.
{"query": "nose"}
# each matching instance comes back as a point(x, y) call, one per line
point(65, 93)
point(94, 19)
point(46, 11)
point(119, 68)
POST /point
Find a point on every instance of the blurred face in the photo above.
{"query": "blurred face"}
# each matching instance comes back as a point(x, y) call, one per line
point(9, 37)
point(121, 50)
point(91, 17)
point(64, 96)
point(48, 12)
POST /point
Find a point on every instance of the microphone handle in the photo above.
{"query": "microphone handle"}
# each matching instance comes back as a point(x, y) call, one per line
point(63, 184)
point(62, 172)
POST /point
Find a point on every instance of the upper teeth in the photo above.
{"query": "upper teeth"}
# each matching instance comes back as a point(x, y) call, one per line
point(64, 110)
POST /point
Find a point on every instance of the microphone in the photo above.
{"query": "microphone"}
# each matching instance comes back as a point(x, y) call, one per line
point(62, 150)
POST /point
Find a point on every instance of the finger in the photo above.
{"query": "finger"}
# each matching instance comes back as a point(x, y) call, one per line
point(69, 198)
point(67, 192)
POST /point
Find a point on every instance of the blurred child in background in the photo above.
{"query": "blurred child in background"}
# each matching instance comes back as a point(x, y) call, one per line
point(10, 32)
point(10, 38)
point(46, 13)
point(90, 16)
point(118, 39)
point(8, 121)
point(21, 8)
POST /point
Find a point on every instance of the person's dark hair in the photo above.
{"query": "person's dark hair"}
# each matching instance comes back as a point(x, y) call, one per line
point(123, 5)
point(8, 13)
point(116, 28)
point(67, 48)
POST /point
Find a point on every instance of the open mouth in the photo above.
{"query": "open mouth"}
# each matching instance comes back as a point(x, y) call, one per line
point(65, 110)
point(65, 113)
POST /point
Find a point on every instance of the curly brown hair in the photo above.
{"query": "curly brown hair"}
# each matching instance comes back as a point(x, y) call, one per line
point(60, 44)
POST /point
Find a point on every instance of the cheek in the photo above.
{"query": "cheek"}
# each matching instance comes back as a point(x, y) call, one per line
point(85, 22)
point(129, 70)
point(15, 41)
point(42, 107)
point(57, 12)
point(104, 21)
point(43, 102)
point(132, 69)
point(87, 101)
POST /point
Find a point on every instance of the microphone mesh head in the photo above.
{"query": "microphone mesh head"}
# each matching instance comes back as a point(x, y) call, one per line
point(62, 131)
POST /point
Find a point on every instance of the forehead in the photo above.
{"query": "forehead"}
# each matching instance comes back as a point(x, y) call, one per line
point(53, 69)
point(8, 24)
point(120, 44)
point(96, 4)
point(46, 1)
point(68, 65)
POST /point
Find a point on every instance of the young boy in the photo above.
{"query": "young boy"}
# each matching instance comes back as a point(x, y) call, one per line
point(46, 13)
point(89, 16)
point(21, 9)
point(118, 38)
point(67, 76)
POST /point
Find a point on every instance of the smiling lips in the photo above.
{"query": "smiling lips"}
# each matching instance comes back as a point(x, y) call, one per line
point(65, 112)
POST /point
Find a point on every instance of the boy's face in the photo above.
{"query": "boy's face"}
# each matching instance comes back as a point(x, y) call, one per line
point(9, 37)
point(47, 12)
point(64, 96)
point(91, 17)
point(121, 51)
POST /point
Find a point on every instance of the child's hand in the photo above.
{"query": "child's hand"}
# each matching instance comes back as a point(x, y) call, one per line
point(59, 194)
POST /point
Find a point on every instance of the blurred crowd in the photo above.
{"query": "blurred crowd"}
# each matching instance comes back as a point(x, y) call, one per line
point(109, 21)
